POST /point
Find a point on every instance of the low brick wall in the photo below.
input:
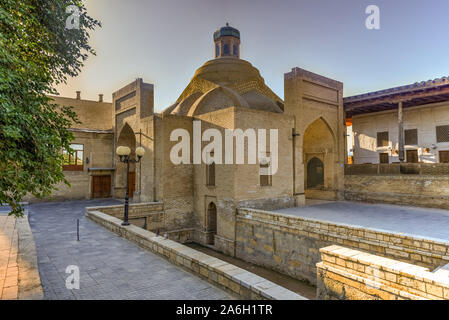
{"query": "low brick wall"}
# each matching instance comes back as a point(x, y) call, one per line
point(430, 169)
point(416, 190)
point(291, 244)
point(349, 274)
point(227, 276)
point(148, 215)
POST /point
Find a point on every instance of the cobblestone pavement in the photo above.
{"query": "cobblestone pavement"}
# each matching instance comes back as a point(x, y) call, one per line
point(424, 222)
point(110, 266)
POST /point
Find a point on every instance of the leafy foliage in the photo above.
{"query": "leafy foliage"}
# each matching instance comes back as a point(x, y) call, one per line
point(37, 52)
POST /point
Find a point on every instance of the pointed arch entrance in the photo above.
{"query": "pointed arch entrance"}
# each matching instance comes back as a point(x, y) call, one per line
point(319, 149)
point(315, 174)
point(126, 138)
point(212, 222)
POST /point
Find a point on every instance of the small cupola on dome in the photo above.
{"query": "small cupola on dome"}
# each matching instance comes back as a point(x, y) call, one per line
point(227, 42)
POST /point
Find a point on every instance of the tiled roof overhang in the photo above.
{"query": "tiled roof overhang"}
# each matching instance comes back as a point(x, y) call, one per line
point(417, 94)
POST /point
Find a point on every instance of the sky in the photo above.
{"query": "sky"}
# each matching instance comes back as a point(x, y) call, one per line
point(165, 41)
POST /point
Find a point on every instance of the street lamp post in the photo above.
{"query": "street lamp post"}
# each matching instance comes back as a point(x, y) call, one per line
point(124, 154)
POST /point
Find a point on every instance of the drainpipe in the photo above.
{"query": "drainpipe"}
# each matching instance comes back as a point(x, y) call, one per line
point(294, 135)
point(401, 133)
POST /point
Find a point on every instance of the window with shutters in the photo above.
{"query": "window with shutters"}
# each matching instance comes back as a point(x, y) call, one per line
point(265, 175)
point(382, 139)
point(444, 156)
point(412, 156)
point(411, 136)
point(442, 133)
point(383, 158)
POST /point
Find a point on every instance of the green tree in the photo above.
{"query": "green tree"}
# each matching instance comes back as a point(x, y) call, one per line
point(40, 46)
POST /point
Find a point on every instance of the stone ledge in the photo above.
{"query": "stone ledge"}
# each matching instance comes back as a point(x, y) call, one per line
point(234, 279)
point(378, 276)
point(131, 205)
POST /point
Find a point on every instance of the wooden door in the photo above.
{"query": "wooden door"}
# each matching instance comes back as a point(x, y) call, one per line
point(412, 156)
point(384, 158)
point(444, 156)
point(132, 184)
point(101, 186)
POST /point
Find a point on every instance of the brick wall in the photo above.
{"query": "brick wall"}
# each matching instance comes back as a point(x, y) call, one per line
point(351, 274)
point(417, 190)
point(150, 214)
point(290, 244)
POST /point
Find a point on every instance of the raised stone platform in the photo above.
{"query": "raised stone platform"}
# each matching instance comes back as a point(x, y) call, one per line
point(429, 223)
point(290, 243)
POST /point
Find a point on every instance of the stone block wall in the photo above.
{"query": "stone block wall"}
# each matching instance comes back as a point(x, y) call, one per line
point(290, 244)
point(416, 190)
point(150, 214)
point(349, 274)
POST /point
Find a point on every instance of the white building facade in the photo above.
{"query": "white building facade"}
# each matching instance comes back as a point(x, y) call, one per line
point(376, 124)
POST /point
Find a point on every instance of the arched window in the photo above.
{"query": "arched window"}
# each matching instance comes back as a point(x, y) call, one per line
point(226, 49)
point(234, 50)
point(217, 50)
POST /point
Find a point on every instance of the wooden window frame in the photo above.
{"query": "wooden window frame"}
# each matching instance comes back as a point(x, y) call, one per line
point(76, 166)
point(380, 157)
point(379, 145)
point(405, 137)
point(265, 180)
point(441, 135)
point(439, 155)
point(407, 159)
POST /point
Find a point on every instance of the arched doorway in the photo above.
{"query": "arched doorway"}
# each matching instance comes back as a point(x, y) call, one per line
point(212, 222)
point(320, 153)
point(315, 174)
point(126, 138)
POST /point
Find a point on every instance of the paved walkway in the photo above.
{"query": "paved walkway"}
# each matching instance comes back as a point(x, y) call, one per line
point(424, 222)
point(9, 272)
point(110, 266)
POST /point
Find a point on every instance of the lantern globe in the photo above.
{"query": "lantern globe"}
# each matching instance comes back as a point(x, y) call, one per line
point(140, 151)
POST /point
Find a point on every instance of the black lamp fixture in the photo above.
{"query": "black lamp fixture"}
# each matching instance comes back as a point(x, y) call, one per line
point(124, 154)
